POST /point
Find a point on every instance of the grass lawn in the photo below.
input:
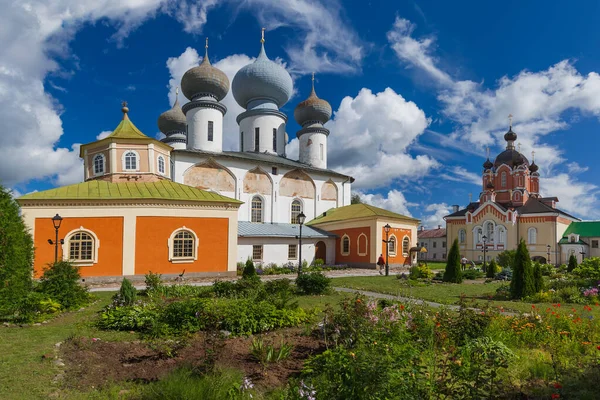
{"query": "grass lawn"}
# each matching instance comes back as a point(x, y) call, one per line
point(436, 265)
point(25, 374)
point(444, 293)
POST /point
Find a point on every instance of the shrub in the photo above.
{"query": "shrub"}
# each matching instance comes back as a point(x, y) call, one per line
point(127, 294)
point(522, 283)
point(268, 353)
point(506, 258)
point(60, 282)
point(538, 279)
point(589, 268)
point(153, 281)
point(136, 318)
point(249, 270)
point(318, 263)
point(491, 269)
point(313, 283)
point(420, 271)
point(453, 271)
point(572, 263)
point(16, 257)
point(241, 288)
point(472, 273)
point(505, 275)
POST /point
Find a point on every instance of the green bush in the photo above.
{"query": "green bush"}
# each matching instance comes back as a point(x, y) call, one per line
point(242, 288)
point(589, 268)
point(268, 353)
point(491, 270)
point(453, 271)
point(127, 294)
point(420, 271)
point(472, 273)
point(506, 258)
point(522, 283)
point(572, 263)
point(249, 271)
point(538, 279)
point(153, 281)
point(135, 318)
point(318, 263)
point(60, 282)
point(313, 283)
point(16, 258)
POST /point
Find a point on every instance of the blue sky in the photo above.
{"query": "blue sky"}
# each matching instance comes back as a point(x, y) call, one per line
point(418, 89)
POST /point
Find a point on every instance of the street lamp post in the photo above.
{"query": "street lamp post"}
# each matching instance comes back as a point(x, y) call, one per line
point(582, 252)
point(548, 252)
point(56, 221)
point(484, 238)
point(387, 229)
point(301, 219)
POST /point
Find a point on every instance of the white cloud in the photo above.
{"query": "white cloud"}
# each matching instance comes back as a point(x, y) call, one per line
point(575, 197)
point(103, 134)
point(434, 215)
point(460, 174)
point(394, 201)
point(370, 135)
point(575, 168)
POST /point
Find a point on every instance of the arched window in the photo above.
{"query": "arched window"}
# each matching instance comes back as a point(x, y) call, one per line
point(98, 164)
point(81, 247)
point(517, 196)
point(462, 236)
point(296, 210)
point(392, 245)
point(161, 164)
point(183, 246)
point(405, 246)
point(503, 179)
point(489, 232)
point(362, 244)
point(130, 161)
point(345, 245)
point(256, 214)
point(532, 236)
point(501, 235)
point(478, 235)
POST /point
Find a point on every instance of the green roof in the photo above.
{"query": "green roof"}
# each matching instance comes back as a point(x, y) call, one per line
point(102, 190)
point(584, 228)
point(355, 211)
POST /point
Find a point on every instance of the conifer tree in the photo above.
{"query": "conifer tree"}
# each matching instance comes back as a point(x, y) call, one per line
point(572, 263)
point(522, 283)
point(537, 278)
point(249, 270)
point(453, 272)
point(16, 255)
point(491, 269)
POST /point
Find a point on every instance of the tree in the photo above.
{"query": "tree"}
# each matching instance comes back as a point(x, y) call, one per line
point(538, 280)
point(522, 283)
point(453, 272)
point(16, 256)
point(491, 269)
point(249, 270)
point(506, 258)
point(572, 263)
point(355, 199)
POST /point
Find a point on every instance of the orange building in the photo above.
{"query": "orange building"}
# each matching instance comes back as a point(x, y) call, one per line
point(128, 218)
point(361, 235)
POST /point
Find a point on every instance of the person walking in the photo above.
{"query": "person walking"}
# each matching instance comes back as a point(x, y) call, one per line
point(380, 264)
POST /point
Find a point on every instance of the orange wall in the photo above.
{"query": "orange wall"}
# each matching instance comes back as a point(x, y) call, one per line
point(109, 231)
point(353, 257)
point(152, 252)
point(399, 233)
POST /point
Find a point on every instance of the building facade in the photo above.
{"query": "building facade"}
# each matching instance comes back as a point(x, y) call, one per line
point(510, 209)
point(434, 241)
point(581, 239)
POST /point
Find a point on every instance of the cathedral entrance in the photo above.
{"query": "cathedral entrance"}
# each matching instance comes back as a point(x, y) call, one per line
point(321, 251)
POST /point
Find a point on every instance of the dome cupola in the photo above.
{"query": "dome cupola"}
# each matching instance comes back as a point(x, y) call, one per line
point(172, 120)
point(205, 80)
point(533, 167)
point(262, 80)
point(313, 109)
point(511, 157)
point(487, 164)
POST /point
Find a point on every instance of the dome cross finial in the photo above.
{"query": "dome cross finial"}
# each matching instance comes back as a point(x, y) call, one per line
point(176, 91)
point(206, 45)
point(519, 147)
point(533, 156)
point(487, 151)
point(510, 117)
point(313, 85)
point(124, 109)
point(262, 33)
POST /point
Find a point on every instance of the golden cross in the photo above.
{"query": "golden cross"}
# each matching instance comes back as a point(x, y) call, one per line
point(262, 39)
point(176, 91)
point(487, 150)
point(532, 155)
point(206, 45)
point(124, 104)
point(510, 116)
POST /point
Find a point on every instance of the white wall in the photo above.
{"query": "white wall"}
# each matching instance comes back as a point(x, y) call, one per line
point(275, 250)
point(197, 122)
point(311, 154)
point(266, 124)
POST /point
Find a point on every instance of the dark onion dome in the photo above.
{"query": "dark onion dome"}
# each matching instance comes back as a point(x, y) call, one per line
point(263, 79)
point(510, 135)
point(533, 167)
point(172, 120)
point(205, 80)
point(488, 164)
point(490, 185)
point(312, 109)
point(512, 158)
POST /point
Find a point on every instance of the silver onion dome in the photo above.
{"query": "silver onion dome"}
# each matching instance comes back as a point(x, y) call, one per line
point(205, 80)
point(172, 120)
point(313, 109)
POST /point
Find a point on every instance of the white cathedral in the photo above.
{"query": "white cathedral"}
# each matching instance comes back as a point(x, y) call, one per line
point(274, 188)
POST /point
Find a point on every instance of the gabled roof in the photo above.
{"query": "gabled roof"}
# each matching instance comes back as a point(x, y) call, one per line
point(265, 158)
point(102, 190)
point(431, 233)
point(584, 229)
point(254, 229)
point(533, 206)
point(355, 211)
point(565, 240)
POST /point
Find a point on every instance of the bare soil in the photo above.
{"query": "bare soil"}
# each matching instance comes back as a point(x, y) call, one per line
point(91, 363)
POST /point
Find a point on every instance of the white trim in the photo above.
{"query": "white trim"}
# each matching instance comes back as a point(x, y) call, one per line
point(366, 245)
point(150, 158)
point(182, 260)
point(164, 171)
point(264, 204)
point(137, 160)
point(292, 203)
point(345, 236)
point(395, 252)
point(465, 232)
point(403, 253)
point(531, 229)
point(103, 164)
point(66, 248)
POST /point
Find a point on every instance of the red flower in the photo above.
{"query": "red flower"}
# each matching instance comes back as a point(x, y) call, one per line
point(533, 306)
point(402, 306)
point(555, 396)
point(598, 347)
point(557, 386)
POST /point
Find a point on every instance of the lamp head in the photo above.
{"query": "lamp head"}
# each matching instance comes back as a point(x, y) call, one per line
point(56, 221)
point(387, 228)
point(301, 218)
point(484, 238)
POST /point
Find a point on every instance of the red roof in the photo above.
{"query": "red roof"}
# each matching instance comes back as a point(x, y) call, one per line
point(431, 233)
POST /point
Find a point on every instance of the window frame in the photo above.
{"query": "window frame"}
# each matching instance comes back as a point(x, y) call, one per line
point(171, 246)
point(94, 158)
point(321, 148)
point(594, 243)
point(241, 141)
point(210, 133)
point(164, 164)
point(462, 236)
point(124, 160)
point(530, 231)
point(345, 239)
point(292, 255)
point(275, 140)
point(66, 247)
point(261, 218)
point(262, 254)
point(503, 179)
point(292, 219)
point(404, 239)
point(393, 250)
point(257, 139)
point(366, 245)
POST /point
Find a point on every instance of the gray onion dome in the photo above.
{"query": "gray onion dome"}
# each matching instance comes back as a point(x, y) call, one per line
point(312, 109)
point(263, 79)
point(172, 120)
point(205, 80)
